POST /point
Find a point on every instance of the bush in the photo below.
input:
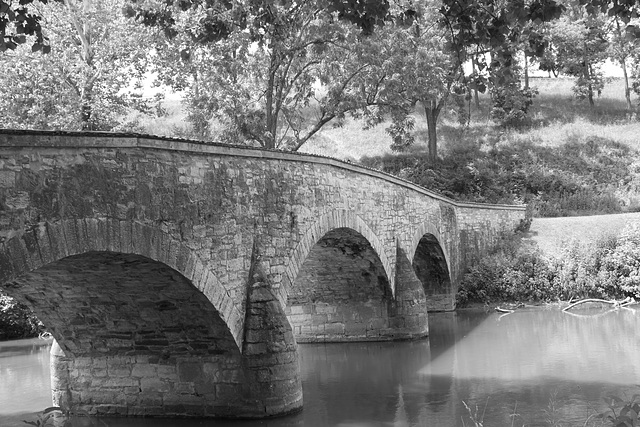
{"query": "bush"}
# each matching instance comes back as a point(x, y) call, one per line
point(16, 320)
point(517, 271)
point(511, 104)
point(593, 176)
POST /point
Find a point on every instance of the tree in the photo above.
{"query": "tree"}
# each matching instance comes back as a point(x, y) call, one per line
point(411, 66)
point(621, 49)
point(88, 81)
point(580, 41)
point(500, 30)
point(271, 73)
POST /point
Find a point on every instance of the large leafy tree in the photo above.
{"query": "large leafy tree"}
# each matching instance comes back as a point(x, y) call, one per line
point(269, 73)
point(411, 66)
point(87, 81)
point(580, 44)
point(622, 49)
point(499, 30)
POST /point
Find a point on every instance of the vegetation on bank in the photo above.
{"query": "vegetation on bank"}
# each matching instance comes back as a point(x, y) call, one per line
point(567, 160)
point(16, 320)
point(594, 176)
point(516, 270)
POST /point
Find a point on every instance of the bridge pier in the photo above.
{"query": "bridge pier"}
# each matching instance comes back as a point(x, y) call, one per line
point(342, 293)
point(264, 381)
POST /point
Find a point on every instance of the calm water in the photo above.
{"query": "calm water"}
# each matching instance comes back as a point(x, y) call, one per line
point(504, 364)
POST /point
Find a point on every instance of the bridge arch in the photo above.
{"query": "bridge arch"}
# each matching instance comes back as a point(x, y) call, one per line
point(324, 224)
point(141, 325)
point(49, 242)
point(339, 288)
point(430, 262)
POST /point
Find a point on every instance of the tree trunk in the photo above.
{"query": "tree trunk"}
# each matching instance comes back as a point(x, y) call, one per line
point(526, 71)
point(431, 111)
point(476, 98)
point(271, 118)
point(85, 111)
point(627, 90)
point(623, 64)
point(587, 75)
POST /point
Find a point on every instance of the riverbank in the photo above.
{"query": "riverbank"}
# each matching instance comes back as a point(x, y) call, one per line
point(570, 266)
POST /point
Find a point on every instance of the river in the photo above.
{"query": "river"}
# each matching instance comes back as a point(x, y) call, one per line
point(531, 367)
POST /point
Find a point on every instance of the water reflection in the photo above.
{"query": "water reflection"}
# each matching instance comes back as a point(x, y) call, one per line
point(24, 376)
point(506, 365)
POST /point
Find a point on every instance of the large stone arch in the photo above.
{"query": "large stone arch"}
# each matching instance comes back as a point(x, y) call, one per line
point(48, 242)
point(338, 286)
point(324, 224)
point(148, 335)
point(430, 261)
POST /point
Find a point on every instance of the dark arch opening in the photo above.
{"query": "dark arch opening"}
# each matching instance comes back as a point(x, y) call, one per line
point(430, 266)
point(134, 337)
point(341, 291)
point(107, 303)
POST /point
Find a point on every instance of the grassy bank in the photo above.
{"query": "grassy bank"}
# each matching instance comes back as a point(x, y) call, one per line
point(568, 159)
point(517, 270)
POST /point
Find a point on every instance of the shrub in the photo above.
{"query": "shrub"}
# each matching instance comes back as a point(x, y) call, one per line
point(593, 176)
point(511, 104)
point(517, 271)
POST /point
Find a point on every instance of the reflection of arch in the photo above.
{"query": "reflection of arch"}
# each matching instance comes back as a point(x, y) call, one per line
point(53, 241)
point(327, 222)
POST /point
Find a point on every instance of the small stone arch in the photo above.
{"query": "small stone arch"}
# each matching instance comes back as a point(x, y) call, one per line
point(48, 242)
point(422, 230)
point(430, 261)
point(327, 222)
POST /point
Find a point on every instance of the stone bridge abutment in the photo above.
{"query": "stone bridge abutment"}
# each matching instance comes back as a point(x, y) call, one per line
point(177, 278)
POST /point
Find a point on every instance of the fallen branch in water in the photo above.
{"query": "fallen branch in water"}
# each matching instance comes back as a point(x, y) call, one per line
point(615, 303)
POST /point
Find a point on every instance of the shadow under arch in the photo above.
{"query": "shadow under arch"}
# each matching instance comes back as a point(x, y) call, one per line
point(324, 224)
point(51, 242)
point(431, 266)
point(341, 291)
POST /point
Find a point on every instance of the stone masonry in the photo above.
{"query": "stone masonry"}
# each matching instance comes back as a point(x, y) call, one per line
point(177, 277)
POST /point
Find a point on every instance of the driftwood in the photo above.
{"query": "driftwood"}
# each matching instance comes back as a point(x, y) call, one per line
point(615, 303)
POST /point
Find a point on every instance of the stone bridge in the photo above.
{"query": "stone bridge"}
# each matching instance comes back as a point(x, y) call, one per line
point(177, 278)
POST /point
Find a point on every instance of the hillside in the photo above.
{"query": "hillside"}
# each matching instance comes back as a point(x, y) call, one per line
point(551, 234)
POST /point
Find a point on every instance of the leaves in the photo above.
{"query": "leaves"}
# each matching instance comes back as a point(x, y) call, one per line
point(90, 80)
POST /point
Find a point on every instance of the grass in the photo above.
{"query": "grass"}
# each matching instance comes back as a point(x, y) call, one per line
point(556, 116)
point(552, 235)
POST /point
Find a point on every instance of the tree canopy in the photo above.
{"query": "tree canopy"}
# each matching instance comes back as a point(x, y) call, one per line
point(274, 73)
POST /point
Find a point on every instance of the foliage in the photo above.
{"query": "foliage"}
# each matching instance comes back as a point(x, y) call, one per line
point(267, 73)
point(16, 320)
point(551, 180)
point(516, 271)
point(17, 21)
point(510, 104)
point(578, 46)
point(622, 413)
point(412, 66)
point(90, 79)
